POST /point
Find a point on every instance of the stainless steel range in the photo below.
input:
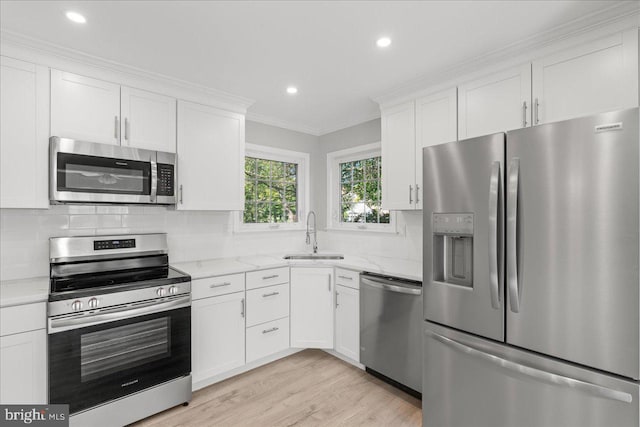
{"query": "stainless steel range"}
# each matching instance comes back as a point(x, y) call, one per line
point(119, 324)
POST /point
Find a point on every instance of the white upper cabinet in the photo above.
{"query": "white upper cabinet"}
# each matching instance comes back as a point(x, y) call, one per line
point(591, 78)
point(93, 110)
point(312, 307)
point(84, 108)
point(210, 158)
point(495, 103)
point(436, 123)
point(24, 134)
point(398, 150)
point(148, 120)
point(406, 130)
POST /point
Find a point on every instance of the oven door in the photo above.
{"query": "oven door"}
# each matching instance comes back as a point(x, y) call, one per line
point(107, 354)
point(103, 173)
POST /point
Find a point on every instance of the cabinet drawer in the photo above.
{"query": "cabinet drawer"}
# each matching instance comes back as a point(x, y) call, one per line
point(220, 285)
point(266, 339)
point(348, 278)
point(266, 304)
point(23, 318)
point(272, 276)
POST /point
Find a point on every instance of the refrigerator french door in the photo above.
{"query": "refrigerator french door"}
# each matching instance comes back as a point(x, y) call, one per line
point(568, 282)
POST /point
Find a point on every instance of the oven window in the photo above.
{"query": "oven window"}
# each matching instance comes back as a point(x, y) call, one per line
point(91, 174)
point(111, 350)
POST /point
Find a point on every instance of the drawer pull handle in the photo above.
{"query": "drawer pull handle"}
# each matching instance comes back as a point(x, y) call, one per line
point(266, 331)
point(270, 294)
point(345, 277)
point(219, 285)
point(273, 276)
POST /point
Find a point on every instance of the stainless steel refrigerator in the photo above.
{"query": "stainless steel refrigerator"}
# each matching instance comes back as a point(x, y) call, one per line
point(531, 277)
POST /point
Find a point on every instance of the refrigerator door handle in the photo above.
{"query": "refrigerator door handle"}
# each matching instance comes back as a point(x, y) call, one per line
point(494, 188)
point(537, 374)
point(512, 237)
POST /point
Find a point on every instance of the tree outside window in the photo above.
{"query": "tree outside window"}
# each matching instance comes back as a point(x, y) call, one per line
point(361, 192)
point(270, 191)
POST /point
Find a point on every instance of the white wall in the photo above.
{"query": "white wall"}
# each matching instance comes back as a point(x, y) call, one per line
point(24, 233)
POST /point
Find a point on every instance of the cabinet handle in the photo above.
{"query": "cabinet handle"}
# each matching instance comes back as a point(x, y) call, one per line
point(126, 128)
point(536, 108)
point(337, 293)
point(410, 194)
point(417, 194)
point(270, 294)
point(181, 192)
point(345, 277)
point(524, 114)
point(329, 283)
point(266, 331)
point(219, 285)
point(242, 309)
point(116, 127)
point(273, 276)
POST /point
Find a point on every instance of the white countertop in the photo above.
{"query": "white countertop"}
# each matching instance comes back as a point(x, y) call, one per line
point(217, 267)
point(24, 291)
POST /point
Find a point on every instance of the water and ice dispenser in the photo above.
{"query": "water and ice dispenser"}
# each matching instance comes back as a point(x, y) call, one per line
point(453, 248)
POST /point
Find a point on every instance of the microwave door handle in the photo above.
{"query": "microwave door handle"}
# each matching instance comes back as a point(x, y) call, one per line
point(154, 181)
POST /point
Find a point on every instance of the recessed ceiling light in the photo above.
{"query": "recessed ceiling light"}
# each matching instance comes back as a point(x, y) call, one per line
point(292, 90)
point(383, 42)
point(76, 17)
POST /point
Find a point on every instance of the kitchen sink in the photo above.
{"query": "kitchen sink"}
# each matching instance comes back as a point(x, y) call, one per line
point(313, 256)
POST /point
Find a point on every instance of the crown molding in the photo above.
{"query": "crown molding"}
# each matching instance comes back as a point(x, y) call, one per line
point(49, 50)
point(618, 17)
point(285, 124)
point(349, 123)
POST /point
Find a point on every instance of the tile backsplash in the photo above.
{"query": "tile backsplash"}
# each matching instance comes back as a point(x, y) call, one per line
point(24, 234)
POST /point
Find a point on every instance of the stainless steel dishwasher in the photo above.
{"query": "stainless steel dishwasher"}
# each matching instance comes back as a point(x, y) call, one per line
point(390, 321)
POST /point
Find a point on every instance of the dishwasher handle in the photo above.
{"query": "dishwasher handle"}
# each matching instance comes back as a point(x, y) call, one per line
point(393, 287)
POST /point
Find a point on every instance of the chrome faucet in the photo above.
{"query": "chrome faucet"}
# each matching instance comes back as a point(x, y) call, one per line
point(315, 233)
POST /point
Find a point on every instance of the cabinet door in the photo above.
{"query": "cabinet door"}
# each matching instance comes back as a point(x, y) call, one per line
point(592, 78)
point(210, 158)
point(148, 120)
point(496, 103)
point(218, 327)
point(312, 307)
point(85, 109)
point(398, 151)
point(348, 322)
point(24, 134)
point(23, 368)
point(436, 123)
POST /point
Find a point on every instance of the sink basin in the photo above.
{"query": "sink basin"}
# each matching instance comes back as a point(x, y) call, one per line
point(313, 256)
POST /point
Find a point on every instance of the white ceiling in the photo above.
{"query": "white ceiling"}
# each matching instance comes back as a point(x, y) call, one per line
point(326, 48)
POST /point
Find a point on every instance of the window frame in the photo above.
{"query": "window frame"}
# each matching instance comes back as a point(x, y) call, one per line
point(302, 159)
point(334, 159)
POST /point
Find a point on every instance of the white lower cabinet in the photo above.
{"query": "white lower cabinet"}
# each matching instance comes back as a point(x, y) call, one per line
point(23, 355)
point(348, 313)
point(218, 333)
point(267, 338)
point(311, 307)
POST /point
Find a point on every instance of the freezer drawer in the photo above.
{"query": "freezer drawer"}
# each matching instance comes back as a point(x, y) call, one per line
point(469, 381)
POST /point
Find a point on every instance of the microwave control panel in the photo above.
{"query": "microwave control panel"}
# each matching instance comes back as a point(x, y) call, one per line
point(166, 178)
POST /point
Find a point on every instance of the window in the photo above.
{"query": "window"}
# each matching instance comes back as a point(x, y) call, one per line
point(355, 190)
point(274, 189)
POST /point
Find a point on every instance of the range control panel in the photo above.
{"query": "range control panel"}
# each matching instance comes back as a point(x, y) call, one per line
point(453, 223)
point(99, 245)
point(166, 177)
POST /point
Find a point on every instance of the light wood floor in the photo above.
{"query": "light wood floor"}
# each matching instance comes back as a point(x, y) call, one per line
point(310, 388)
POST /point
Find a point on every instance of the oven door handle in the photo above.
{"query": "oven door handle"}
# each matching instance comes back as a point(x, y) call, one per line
point(76, 322)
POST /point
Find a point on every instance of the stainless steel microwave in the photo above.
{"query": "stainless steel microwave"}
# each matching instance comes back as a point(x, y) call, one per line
point(87, 172)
